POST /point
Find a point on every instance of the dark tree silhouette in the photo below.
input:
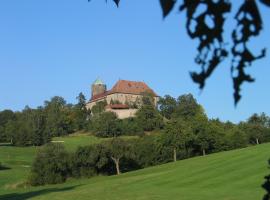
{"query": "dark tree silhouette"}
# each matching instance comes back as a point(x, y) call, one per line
point(207, 26)
point(266, 186)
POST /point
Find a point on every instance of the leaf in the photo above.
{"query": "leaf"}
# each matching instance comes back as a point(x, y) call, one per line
point(266, 2)
point(116, 2)
point(167, 6)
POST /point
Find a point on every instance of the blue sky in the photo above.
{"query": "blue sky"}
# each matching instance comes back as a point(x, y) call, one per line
point(60, 47)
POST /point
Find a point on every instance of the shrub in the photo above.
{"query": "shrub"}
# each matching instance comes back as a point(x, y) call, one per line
point(92, 160)
point(149, 118)
point(84, 161)
point(106, 124)
point(130, 126)
point(51, 165)
point(236, 139)
point(146, 151)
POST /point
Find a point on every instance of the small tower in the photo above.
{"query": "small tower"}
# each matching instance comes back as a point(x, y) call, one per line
point(98, 87)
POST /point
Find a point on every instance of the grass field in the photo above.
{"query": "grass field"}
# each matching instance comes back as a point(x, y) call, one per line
point(232, 175)
point(73, 141)
point(19, 159)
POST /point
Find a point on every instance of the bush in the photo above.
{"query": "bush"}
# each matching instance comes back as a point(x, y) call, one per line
point(130, 126)
point(84, 162)
point(149, 118)
point(89, 161)
point(147, 151)
point(92, 160)
point(51, 165)
point(236, 139)
point(106, 124)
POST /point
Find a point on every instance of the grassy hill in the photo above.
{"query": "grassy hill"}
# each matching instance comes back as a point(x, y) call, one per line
point(232, 175)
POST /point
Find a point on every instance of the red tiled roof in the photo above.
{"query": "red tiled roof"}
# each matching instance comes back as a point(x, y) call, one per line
point(126, 87)
point(131, 87)
point(117, 106)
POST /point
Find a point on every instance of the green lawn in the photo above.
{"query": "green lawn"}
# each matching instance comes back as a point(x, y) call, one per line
point(232, 175)
point(73, 141)
point(19, 159)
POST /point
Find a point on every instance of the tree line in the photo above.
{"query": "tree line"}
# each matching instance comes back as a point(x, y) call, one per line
point(35, 127)
point(181, 122)
point(176, 129)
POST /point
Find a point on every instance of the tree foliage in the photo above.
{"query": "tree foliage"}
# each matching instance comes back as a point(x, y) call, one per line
point(91, 160)
point(37, 126)
point(188, 108)
point(57, 113)
point(51, 165)
point(167, 106)
point(185, 135)
point(106, 124)
point(148, 116)
point(177, 136)
point(81, 113)
point(99, 107)
point(118, 149)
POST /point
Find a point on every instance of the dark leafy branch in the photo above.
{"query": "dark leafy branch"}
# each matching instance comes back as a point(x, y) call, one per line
point(167, 6)
point(211, 49)
point(205, 22)
point(249, 23)
point(266, 2)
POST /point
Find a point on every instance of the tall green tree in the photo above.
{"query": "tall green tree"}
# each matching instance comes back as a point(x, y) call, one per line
point(80, 113)
point(106, 124)
point(5, 117)
point(58, 121)
point(118, 149)
point(28, 128)
point(260, 120)
point(256, 127)
point(203, 136)
point(167, 106)
point(177, 137)
point(188, 108)
point(236, 138)
point(38, 123)
point(148, 116)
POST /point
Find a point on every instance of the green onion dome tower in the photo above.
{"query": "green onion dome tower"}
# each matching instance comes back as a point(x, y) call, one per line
point(98, 87)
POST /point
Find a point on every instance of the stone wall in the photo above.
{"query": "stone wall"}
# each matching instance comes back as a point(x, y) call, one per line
point(91, 104)
point(123, 99)
point(123, 113)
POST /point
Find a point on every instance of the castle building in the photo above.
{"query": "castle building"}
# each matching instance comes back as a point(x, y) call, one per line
point(124, 98)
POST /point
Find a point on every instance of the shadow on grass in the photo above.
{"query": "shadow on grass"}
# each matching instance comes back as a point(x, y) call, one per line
point(28, 195)
point(4, 167)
